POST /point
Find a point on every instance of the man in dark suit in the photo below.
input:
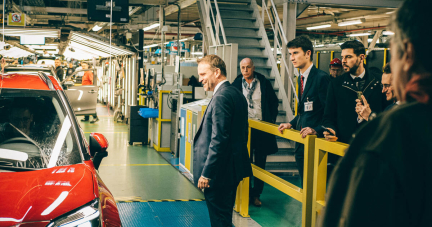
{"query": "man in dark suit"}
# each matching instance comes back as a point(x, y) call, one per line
point(221, 158)
point(340, 114)
point(262, 105)
point(312, 92)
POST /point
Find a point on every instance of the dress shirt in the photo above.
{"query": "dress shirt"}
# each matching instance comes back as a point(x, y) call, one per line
point(218, 85)
point(255, 112)
point(360, 76)
point(306, 75)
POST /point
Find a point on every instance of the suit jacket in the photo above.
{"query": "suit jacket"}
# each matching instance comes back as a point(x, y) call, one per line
point(373, 183)
point(220, 144)
point(315, 91)
point(269, 109)
point(340, 112)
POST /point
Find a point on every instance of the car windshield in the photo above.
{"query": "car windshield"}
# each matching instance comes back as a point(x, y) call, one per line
point(35, 130)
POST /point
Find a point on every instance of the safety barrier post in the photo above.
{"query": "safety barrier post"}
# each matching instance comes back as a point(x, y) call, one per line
point(242, 197)
point(322, 148)
point(308, 176)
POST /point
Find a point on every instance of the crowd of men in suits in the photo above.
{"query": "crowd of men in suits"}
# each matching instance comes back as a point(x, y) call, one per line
point(340, 107)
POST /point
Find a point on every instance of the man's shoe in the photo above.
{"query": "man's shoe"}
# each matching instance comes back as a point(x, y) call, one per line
point(256, 201)
point(94, 120)
point(84, 120)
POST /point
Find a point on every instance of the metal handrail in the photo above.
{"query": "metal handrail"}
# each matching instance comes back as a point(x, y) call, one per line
point(217, 21)
point(278, 30)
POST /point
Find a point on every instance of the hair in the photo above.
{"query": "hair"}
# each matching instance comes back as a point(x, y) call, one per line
point(357, 47)
point(387, 69)
point(406, 26)
point(302, 42)
point(215, 62)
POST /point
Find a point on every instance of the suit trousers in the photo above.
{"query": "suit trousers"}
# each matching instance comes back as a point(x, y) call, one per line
point(260, 161)
point(220, 202)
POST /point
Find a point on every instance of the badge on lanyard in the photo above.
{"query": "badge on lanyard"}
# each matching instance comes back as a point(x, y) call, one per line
point(308, 106)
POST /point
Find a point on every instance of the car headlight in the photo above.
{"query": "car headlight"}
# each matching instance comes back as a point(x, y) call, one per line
point(86, 216)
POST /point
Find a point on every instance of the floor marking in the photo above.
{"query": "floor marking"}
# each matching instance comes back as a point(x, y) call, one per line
point(135, 165)
point(135, 199)
point(107, 132)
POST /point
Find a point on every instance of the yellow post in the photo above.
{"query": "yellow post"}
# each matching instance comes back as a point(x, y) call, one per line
point(309, 148)
point(320, 177)
point(332, 55)
point(242, 197)
point(385, 57)
point(317, 60)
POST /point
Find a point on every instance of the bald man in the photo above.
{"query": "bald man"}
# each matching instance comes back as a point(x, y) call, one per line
point(262, 105)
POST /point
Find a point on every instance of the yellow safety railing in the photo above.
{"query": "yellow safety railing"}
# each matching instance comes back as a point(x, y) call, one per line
point(322, 148)
point(304, 195)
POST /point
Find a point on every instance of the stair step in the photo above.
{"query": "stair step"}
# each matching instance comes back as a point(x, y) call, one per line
point(234, 9)
point(234, 1)
point(239, 18)
point(239, 26)
point(252, 56)
point(270, 78)
point(286, 158)
point(250, 46)
point(284, 151)
point(263, 67)
point(243, 36)
point(280, 101)
point(282, 112)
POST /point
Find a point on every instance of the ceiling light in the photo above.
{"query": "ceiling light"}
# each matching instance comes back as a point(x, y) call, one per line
point(359, 34)
point(96, 28)
point(197, 53)
point(388, 33)
point(319, 27)
point(346, 23)
point(151, 27)
point(391, 12)
point(319, 45)
point(150, 46)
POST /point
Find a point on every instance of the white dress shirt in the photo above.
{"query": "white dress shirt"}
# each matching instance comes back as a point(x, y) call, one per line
point(255, 112)
point(218, 85)
point(360, 76)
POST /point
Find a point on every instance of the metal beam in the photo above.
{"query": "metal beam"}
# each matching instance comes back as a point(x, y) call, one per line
point(183, 4)
point(55, 10)
point(374, 40)
point(368, 3)
point(148, 2)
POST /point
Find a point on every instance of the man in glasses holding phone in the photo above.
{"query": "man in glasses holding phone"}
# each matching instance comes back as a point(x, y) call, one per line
point(363, 108)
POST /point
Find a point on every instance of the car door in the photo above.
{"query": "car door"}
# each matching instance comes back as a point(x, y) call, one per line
point(83, 99)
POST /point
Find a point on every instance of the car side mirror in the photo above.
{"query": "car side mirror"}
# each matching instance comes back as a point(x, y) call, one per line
point(98, 148)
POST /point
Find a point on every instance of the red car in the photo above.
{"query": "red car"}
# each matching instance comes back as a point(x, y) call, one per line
point(48, 171)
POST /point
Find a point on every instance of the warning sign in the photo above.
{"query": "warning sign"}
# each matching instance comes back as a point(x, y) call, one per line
point(16, 19)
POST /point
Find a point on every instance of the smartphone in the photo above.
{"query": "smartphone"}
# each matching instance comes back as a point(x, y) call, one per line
point(326, 130)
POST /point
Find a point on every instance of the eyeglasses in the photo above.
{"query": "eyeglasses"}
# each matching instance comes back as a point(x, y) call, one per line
point(386, 86)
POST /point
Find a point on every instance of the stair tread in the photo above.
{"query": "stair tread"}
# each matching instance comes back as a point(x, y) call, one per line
point(282, 112)
point(234, 1)
point(235, 9)
point(229, 25)
point(244, 36)
point(250, 46)
point(239, 18)
point(263, 67)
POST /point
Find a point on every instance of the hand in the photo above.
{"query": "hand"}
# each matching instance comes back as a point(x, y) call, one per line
point(363, 109)
point(307, 131)
point(284, 126)
point(330, 137)
point(203, 183)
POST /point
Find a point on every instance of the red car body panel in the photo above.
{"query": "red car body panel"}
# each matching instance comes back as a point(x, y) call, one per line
point(24, 196)
point(22, 81)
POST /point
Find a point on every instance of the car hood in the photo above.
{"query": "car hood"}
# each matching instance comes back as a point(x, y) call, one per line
point(42, 195)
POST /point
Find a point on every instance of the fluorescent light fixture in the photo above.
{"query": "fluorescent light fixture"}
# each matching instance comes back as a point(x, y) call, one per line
point(197, 53)
point(346, 23)
point(391, 12)
point(13, 155)
point(96, 28)
point(359, 34)
point(319, 45)
point(150, 46)
point(151, 27)
point(56, 203)
point(388, 33)
point(370, 40)
point(319, 27)
point(52, 33)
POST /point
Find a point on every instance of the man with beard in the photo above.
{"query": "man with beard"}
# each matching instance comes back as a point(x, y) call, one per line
point(340, 115)
point(384, 178)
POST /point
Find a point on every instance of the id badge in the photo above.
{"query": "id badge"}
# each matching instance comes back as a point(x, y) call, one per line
point(308, 106)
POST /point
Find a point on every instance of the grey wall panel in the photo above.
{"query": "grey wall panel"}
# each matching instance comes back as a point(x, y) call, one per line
point(324, 61)
point(166, 134)
point(375, 59)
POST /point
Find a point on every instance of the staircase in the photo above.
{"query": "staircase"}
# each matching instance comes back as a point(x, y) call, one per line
point(242, 24)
